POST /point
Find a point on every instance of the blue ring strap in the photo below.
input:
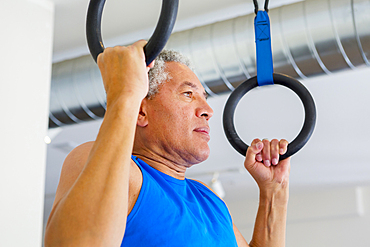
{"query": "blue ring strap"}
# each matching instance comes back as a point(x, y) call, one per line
point(263, 49)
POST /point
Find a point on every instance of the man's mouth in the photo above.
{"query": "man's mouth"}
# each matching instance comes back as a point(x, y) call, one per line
point(203, 130)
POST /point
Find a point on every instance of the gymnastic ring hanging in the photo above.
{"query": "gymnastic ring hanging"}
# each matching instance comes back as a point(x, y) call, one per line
point(155, 44)
point(291, 83)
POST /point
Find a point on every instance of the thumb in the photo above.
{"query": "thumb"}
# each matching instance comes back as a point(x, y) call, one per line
point(252, 152)
point(150, 66)
point(140, 43)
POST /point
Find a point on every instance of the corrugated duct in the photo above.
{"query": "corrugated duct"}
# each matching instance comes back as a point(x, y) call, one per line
point(309, 38)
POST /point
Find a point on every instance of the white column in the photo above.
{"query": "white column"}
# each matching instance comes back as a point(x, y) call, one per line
point(25, 61)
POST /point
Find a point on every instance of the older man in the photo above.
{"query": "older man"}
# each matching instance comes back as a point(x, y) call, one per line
point(128, 187)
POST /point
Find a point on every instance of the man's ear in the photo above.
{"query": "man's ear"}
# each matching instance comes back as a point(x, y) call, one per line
point(142, 119)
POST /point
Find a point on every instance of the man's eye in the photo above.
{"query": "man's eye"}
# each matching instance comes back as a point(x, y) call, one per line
point(188, 94)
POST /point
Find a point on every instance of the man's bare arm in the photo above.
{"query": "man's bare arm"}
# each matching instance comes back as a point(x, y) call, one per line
point(93, 211)
point(273, 181)
point(270, 225)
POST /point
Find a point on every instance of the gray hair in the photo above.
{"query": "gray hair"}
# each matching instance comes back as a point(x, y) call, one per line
point(158, 75)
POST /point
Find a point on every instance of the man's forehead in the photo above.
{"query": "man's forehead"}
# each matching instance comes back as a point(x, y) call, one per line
point(182, 75)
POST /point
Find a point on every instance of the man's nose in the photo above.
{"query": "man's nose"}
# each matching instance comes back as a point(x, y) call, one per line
point(205, 111)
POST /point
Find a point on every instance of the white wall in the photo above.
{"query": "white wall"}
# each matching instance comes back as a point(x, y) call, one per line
point(26, 42)
point(320, 217)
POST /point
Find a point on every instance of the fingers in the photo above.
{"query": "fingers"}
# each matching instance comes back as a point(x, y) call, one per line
point(266, 151)
point(140, 43)
point(151, 65)
point(254, 152)
point(124, 70)
point(137, 47)
point(274, 152)
point(283, 146)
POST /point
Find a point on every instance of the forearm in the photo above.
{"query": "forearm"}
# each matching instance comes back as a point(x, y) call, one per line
point(270, 226)
point(95, 208)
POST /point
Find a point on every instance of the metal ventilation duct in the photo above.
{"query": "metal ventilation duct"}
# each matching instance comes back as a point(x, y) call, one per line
point(309, 38)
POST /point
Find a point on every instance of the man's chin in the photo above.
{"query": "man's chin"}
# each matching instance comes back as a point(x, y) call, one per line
point(203, 155)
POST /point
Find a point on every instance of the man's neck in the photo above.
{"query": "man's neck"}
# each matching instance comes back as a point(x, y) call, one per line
point(163, 164)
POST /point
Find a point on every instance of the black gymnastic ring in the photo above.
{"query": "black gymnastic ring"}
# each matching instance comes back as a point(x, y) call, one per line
point(289, 82)
point(155, 44)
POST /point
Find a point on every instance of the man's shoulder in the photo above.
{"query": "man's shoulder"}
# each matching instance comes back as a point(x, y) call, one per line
point(74, 164)
point(79, 156)
point(71, 169)
point(202, 183)
point(206, 186)
point(84, 148)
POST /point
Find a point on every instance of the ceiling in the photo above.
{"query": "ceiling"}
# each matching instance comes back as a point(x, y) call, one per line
point(336, 155)
point(124, 22)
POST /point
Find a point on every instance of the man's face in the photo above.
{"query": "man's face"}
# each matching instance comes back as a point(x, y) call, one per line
point(178, 117)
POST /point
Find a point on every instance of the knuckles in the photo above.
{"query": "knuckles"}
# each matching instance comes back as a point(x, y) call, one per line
point(271, 149)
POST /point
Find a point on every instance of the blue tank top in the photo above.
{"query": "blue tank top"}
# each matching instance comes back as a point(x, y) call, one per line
point(173, 212)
